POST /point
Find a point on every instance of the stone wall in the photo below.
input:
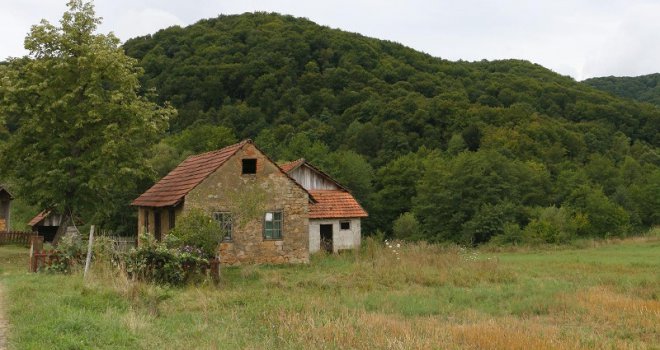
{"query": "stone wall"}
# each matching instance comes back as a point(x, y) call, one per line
point(248, 197)
point(341, 239)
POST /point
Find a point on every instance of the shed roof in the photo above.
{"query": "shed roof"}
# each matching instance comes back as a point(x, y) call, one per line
point(288, 167)
point(4, 189)
point(39, 218)
point(335, 204)
point(291, 166)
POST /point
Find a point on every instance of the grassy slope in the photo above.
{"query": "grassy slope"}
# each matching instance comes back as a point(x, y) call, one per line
point(599, 297)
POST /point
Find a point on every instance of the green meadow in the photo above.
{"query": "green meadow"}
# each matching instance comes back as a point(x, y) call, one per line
point(596, 296)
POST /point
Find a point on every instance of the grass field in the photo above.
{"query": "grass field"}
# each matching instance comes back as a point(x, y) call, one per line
point(416, 296)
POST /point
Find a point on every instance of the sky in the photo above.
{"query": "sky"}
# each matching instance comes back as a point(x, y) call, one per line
point(579, 38)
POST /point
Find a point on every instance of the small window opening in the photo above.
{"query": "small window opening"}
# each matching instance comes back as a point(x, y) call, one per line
point(249, 166)
point(345, 225)
point(225, 222)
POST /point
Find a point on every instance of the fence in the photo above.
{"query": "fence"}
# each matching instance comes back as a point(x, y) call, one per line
point(43, 258)
point(123, 244)
point(120, 244)
point(40, 258)
point(15, 237)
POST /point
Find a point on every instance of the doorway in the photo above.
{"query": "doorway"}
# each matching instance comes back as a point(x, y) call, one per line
point(157, 226)
point(326, 238)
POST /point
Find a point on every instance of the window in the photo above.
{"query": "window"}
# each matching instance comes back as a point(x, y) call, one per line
point(225, 222)
point(273, 225)
point(249, 166)
point(345, 225)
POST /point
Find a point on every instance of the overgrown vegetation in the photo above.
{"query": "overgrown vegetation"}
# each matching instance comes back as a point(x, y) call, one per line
point(80, 130)
point(469, 148)
point(155, 262)
point(474, 150)
point(196, 230)
point(601, 295)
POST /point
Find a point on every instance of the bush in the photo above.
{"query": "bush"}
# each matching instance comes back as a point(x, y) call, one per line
point(68, 255)
point(155, 262)
point(547, 225)
point(196, 229)
point(406, 227)
point(604, 217)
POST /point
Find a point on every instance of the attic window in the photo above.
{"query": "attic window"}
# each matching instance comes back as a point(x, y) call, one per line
point(249, 166)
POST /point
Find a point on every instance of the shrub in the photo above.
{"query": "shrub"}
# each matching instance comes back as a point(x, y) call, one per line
point(196, 229)
point(155, 262)
point(68, 255)
point(407, 227)
point(547, 225)
point(605, 218)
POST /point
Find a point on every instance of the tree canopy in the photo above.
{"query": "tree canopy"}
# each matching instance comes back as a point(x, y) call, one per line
point(469, 151)
point(473, 150)
point(81, 130)
point(644, 88)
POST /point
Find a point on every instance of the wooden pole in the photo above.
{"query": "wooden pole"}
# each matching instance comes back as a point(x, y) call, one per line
point(89, 250)
point(36, 246)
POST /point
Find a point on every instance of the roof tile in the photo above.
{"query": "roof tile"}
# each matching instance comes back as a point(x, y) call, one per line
point(335, 204)
point(287, 167)
point(39, 218)
point(186, 176)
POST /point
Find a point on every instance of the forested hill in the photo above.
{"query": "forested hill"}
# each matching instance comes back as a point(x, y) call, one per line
point(645, 88)
point(470, 151)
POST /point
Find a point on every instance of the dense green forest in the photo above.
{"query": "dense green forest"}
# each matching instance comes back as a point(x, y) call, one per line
point(504, 151)
point(645, 88)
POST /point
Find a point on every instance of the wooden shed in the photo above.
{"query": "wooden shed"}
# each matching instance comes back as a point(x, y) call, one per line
point(5, 202)
point(51, 225)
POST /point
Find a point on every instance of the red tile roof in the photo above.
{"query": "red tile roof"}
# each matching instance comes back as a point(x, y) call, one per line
point(335, 204)
point(287, 167)
point(39, 218)
point(186, 176)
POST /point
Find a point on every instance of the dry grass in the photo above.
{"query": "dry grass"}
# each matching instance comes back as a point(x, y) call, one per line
point(411, 296)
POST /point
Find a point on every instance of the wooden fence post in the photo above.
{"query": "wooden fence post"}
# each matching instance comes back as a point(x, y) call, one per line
point(215, 270)
point(36, 246)
point(89, 250)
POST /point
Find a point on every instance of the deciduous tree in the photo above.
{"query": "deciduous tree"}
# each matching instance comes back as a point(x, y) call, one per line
point(84, 130)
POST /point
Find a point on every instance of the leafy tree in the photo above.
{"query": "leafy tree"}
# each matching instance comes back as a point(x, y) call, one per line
point(605, 218)
point(472, 137)
point(354, 172)
point(643, 88)
point(84, 130)
point(471, 197)
point(364, 109)
point(406, 227)
point(202, 138)
point(395, 187)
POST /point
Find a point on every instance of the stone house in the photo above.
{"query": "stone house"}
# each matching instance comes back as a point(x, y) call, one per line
point(265, 214)
point(5, 203)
